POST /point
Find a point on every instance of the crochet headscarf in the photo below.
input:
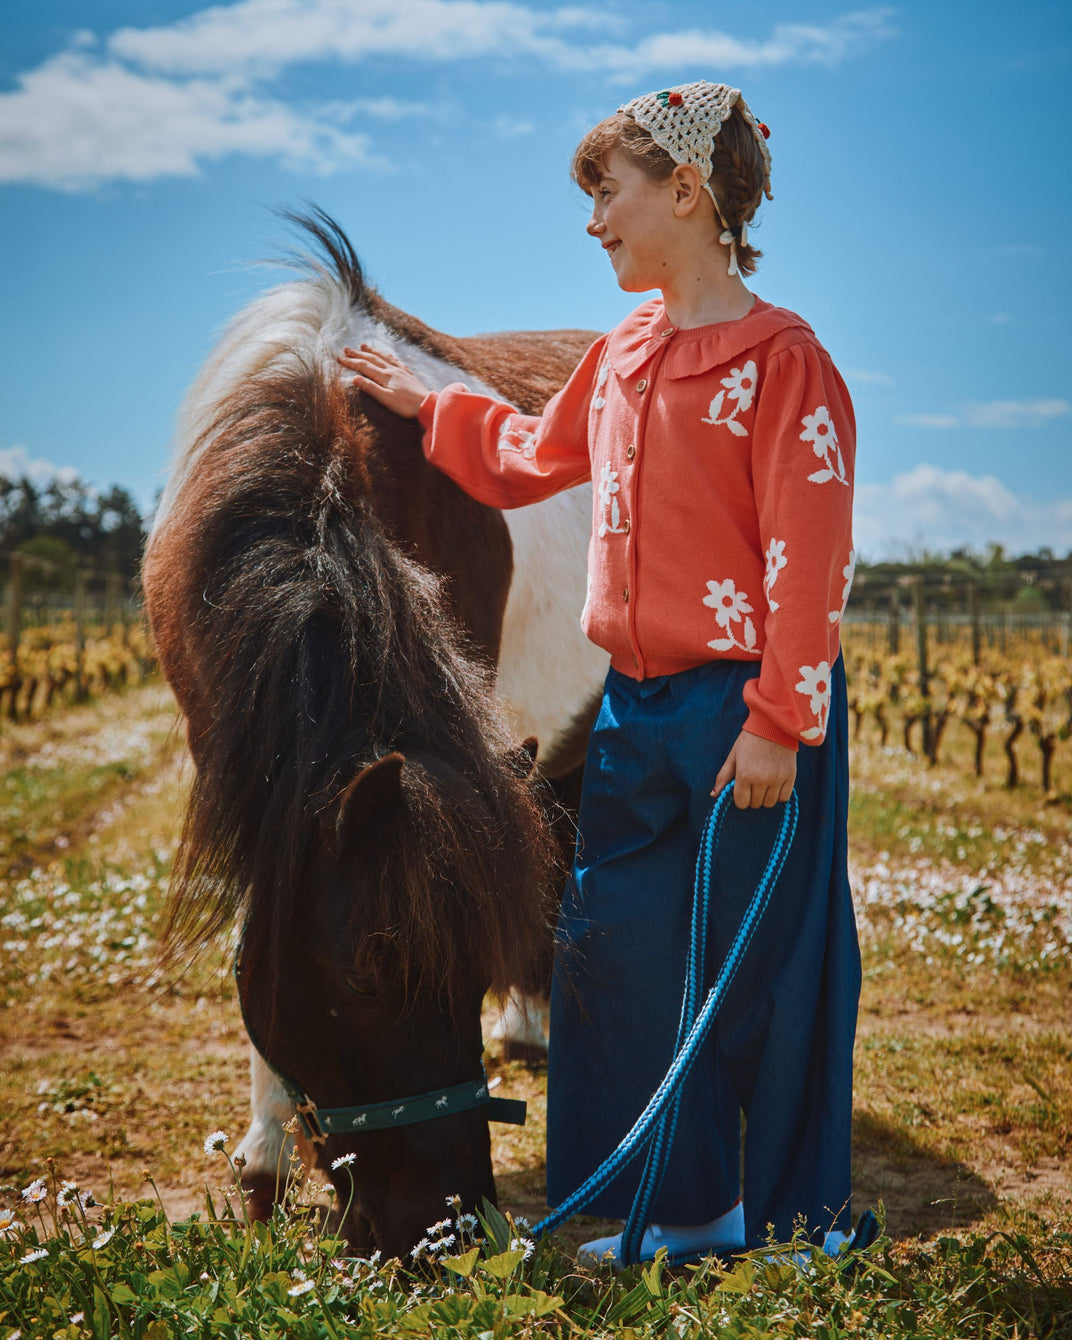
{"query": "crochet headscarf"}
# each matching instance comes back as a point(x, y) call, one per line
point(684, 121)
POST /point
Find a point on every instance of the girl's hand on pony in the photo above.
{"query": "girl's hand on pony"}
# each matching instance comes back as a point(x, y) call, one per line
point(386, 379)
point(761, 771)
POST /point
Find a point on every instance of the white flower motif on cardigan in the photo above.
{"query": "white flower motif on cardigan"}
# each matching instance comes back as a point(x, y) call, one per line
point(740, 388)
point(815, 685)
point(848, 572)
point(516, 438)
point(611, 523)
point(820, 432)
point(731, 607)
point(776, 561)
point(598, 400)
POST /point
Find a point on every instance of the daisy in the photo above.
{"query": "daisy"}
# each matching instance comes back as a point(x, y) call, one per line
point(67, 1194)
point(35, 1192)
point(38, 1255)
point(729, 604)
point(215, 1141)
point(525, 1246)
point(8, 1223)
point(608, 484)
point(306, 1286)
point(343, 1161)
point(741, 385)
point(819, 431)
point(815, 685)
point(103, 1239)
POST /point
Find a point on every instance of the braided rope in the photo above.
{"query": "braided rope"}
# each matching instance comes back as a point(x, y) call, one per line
point(660, 1114)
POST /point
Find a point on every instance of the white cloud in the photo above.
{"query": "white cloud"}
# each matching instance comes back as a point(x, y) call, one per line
point(17, 463)
point(162, 101)
point(788, 44)
point(266, 35)
point(76, 121)
point(866, 378)
point(935, 509)
point(993, 414)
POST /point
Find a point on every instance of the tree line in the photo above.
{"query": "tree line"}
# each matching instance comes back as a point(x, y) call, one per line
point(66, 525)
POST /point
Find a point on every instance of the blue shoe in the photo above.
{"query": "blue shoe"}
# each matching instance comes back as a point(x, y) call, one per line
point(683, 1242)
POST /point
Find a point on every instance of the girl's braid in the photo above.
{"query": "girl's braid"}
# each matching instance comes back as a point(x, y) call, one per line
point(738, 177)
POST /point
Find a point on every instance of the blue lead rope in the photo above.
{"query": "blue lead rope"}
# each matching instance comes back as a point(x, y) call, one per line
point(659, 1118)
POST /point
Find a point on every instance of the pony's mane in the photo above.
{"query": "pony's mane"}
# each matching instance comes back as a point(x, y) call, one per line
point(330, 648)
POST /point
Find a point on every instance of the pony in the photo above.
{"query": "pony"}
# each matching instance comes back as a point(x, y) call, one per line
point(356, 647)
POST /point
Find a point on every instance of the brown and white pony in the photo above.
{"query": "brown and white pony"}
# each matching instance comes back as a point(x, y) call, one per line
point(356, 645)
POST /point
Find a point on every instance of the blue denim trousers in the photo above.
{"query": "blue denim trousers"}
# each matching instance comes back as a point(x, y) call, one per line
point(780, 1051)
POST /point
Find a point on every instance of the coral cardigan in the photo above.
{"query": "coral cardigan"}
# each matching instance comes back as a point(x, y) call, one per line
point(722, 460)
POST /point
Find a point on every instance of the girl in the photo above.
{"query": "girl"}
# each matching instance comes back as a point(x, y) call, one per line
point(719, 437)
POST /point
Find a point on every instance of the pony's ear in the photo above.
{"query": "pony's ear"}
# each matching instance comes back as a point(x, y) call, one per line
point(368, 800)
point(523, 756)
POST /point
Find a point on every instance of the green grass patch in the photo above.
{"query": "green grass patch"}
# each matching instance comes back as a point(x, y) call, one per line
point(68, 1269)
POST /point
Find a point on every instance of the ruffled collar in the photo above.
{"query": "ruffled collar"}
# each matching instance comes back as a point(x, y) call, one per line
point(646, 332)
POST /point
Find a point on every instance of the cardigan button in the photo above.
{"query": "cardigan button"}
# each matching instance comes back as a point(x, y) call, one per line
point(630, 451)
point(642, 385)
point(625, 595)
point(625, 525)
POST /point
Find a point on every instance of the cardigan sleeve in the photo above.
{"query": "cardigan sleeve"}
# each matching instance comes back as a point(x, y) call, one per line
point(803, 458)
point(507, 459)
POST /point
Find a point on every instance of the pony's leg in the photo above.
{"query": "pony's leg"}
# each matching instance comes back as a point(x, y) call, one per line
point(520, 1027)
point(266, 1147)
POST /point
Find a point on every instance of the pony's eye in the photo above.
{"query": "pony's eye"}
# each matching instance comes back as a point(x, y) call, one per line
point(364, 987)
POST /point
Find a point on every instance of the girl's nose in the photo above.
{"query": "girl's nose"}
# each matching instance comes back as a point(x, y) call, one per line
point(595, 227)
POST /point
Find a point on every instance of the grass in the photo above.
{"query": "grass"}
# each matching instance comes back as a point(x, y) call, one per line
point(963, 1112)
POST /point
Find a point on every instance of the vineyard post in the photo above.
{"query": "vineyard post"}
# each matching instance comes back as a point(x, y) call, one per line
point(1063, 621)
point(79, 633)
point(124, 612)
point(976, 629)
point(14, 602)
point(895, 622)
point(924, 674)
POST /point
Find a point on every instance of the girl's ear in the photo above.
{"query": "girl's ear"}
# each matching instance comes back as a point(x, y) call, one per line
point(687, 189)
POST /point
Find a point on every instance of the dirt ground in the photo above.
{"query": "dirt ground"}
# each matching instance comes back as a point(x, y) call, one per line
point(963, 1085)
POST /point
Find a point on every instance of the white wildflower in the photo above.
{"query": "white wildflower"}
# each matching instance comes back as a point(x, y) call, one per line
point(36, 1191)
point(8, 1223)
point(103, 1239)
point(306, 1286)
point(215, 1142)
point(67, 1193)
point(38, 1255)
point(467, 1223)
point(525, 1246)
point(421, 1246)
point(454, 1202)
point(343, 1161)
point(441, 1244)
point(76, 1318)
point(441, 1227)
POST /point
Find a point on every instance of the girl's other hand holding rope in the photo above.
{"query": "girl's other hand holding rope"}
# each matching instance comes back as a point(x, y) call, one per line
point(386, 379)
point(761, 771)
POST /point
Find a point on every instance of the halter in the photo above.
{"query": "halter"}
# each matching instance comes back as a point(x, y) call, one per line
point(318, 1123)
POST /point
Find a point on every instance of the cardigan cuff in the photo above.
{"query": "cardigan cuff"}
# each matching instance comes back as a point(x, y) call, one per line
point(426, 410)
point(758, 724)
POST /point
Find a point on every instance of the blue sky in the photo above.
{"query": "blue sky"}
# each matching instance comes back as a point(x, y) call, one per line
point(920, 218)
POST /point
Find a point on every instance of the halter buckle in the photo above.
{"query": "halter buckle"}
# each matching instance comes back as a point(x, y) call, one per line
point(310, 1125)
